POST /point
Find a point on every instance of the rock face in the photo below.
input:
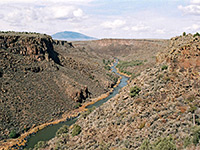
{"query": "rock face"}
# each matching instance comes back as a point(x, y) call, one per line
point(167, 105)
point(182, 54)
point(36, 47)
point(78, 95)
point(40, 79)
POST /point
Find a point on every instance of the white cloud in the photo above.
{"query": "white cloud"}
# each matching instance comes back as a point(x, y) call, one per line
point(113, 24)
point(190, 9)
point(140, 28)
point(193, 8)
point(126, 28)
point(27, 14)
point(78, 13)
point(193, 28)
point(195, 1)
point(45, 1)
point(18, 16)
point(62, 12)
point(18, 1)
point(160, 31)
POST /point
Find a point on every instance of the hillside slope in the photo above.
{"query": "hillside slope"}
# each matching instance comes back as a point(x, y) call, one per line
point(40, 79)
point(127, 50)
point(160, 108)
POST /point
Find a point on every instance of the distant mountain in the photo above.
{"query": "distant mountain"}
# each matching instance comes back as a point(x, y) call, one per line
point(72, 36)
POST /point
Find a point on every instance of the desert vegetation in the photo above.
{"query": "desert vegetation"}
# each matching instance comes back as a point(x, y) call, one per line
point(87, 112)
point(107, 64)
point(158, 110)
point(123, 65)
point(134, 91)
point(166, 143)
point(62, 130)
point(76, 130)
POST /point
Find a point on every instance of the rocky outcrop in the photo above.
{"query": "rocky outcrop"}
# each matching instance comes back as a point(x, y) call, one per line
point(38, 47)
point(167, 105)
point(78, 94)
point(183, 54)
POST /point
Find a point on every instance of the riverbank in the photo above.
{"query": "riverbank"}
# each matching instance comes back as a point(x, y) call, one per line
point(21, 141)
point(121, 73)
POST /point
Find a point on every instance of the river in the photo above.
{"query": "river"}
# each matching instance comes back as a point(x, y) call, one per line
point(49, 132)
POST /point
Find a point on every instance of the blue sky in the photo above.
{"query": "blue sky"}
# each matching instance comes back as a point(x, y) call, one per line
point(103, 18)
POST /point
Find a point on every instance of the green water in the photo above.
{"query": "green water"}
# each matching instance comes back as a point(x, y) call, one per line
point(49, 132)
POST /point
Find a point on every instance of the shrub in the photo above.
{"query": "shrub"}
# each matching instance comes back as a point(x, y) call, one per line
point(1, 72)
point(191, 98)
point(114, 78)
point(76, 130)
point(166, 78)
point(192, 108)
point(40, 144)
point(57, 147)
point(127, 72)
point(109, 63)
point(193, 138)
point(196, 135)
point(86, 113)
point(26, 129)
point(196, 34)
point(106, 62)
point(125, 64)
point(187, 142)
point(134, 91)
point(122, 65)
point(107, 67)
point(166, 143)
point(63, 129)
point(104, 146)
point(77, 105)
point(164, 67)
point(134, 75)
point(138, 101)
point(146, 145)
point(184, 33)
point(13, 134)
point(160, 76)
point(142, 125)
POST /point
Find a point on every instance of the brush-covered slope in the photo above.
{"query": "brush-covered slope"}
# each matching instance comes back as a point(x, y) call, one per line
point(160, 109)
point(129, 51)
point(40, 79)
